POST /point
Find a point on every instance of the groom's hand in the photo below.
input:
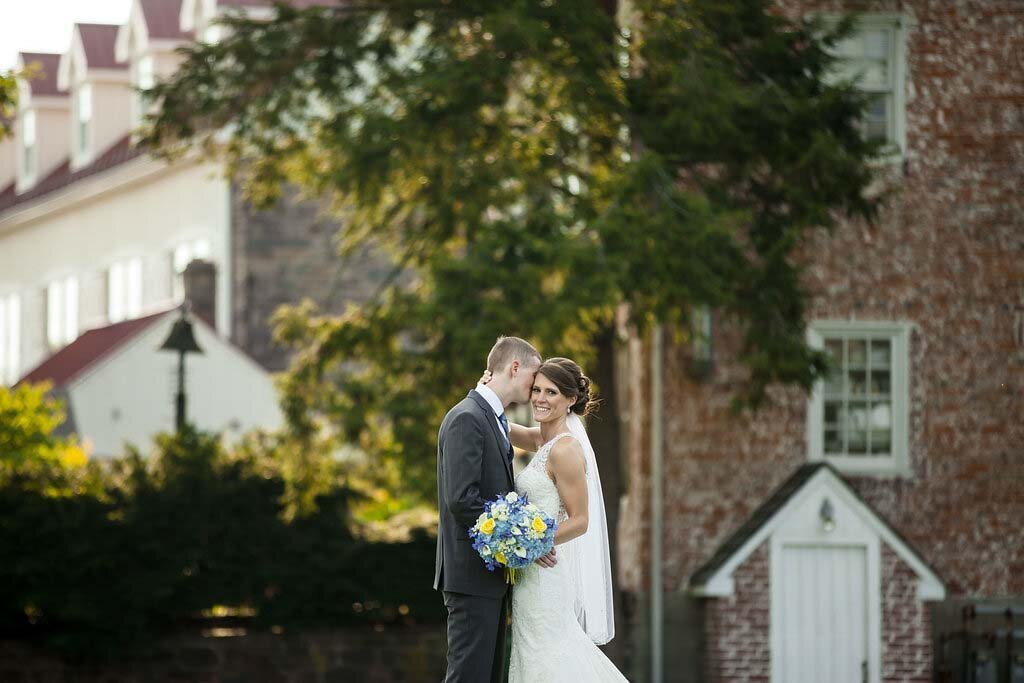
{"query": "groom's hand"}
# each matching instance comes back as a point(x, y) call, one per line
point(547, 560)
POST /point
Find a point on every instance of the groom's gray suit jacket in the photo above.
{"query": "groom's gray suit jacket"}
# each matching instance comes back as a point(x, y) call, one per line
point(473, 467)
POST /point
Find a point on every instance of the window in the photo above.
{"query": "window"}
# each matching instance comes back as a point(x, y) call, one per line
point(181, 256)
point(62, 312)
point(145, 78)
point(857, 418)
point(124, 290)
point(146, 74)
point(28, 144)
point(873, 56)
point(83, 116)
point(10, 338)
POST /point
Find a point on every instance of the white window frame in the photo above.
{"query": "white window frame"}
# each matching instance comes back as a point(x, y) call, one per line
point(62, 312)
point(10, 338)
point(897, 463)
point(83, 119)
point(145, 78)
point(124, 290)
point(29, 144)
point(897, 25)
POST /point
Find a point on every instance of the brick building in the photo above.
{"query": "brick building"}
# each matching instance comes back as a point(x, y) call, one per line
point(923, 419)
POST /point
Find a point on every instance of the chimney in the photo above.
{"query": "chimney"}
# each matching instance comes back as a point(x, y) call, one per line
point(200, 280)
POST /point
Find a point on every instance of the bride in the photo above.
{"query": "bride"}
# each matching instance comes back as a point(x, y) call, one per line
point(562, 613)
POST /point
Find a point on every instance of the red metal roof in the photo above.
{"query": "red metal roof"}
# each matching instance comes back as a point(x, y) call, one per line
point(98, 40)
point(120, 152)
point(163, 19)
point(94, 345)
point(44, 83)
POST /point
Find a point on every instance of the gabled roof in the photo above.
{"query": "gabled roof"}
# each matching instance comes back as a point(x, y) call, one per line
point(98, 41)
point(713, 578)
point(162, 19)
point(44, 83)
point(755, 521)
point(78, 356)
point(120, 152)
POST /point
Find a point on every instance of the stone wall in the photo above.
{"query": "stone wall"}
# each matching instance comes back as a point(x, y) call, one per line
point(738, 627)
point(906, 624)
point(357, 655)
point(283, 255)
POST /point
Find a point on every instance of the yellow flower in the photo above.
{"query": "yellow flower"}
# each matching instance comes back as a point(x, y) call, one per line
point(538, 525)
point(500, 557)
point(488, 526)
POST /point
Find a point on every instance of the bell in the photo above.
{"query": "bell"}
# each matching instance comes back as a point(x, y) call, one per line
point(181, 338)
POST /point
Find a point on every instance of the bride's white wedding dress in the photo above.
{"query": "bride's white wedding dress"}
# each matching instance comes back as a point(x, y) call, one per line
point(548, 643)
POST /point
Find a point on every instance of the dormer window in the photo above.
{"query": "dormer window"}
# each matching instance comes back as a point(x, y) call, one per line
point(145, 78)
point(83, 117)
point(28, 144)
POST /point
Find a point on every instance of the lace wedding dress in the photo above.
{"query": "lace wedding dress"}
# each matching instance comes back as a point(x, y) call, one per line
point(548, 642)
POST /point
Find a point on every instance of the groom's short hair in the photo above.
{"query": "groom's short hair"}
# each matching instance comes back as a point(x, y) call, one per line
point(508, 349)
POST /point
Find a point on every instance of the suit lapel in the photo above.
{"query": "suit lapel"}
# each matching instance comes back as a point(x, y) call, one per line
point(496, 430)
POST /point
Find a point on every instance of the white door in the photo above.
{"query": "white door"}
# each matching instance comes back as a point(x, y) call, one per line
point(823, 614)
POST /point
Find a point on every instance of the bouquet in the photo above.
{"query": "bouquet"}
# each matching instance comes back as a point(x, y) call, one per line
point(512, 533)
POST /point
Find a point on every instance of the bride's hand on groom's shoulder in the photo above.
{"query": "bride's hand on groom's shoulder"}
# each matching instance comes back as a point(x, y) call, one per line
point(486, 377)
point(548, 560)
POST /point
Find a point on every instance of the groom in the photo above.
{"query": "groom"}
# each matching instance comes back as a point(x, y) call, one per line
point(474, 465)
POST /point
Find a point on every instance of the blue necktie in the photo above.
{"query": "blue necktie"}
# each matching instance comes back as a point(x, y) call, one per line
point(504, 425)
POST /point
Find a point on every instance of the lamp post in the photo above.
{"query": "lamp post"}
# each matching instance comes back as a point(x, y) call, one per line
point(183, 340)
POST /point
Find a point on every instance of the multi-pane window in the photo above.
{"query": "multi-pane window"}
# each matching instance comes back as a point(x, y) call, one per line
point(858, 396)
point(858, 414)
point(873, 57)
point(181, 256)
point(10, 338)
point(62, 312)
point(83, 116)
point(124, 290)
point(28, 143)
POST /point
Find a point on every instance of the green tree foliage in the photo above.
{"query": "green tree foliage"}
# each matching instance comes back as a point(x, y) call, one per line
point(8, 101)
point(31, 453)
point(530, 165)
point(169, 537)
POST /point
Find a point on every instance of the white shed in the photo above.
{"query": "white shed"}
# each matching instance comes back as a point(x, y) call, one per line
point(120, 388)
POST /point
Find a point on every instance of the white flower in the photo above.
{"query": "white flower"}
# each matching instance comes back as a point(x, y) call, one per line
point(516, 531)
point(512, 497)
point(520, 551)
point(481, 518)
point(532, 508)
point(485, 550)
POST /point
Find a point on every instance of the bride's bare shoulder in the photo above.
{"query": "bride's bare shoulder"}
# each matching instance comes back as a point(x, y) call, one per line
point(566, 452)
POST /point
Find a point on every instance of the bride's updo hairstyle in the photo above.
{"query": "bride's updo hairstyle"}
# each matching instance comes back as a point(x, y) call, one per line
point(570, 380)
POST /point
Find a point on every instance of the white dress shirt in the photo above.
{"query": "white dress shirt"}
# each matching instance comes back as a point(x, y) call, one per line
point(495, 403)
